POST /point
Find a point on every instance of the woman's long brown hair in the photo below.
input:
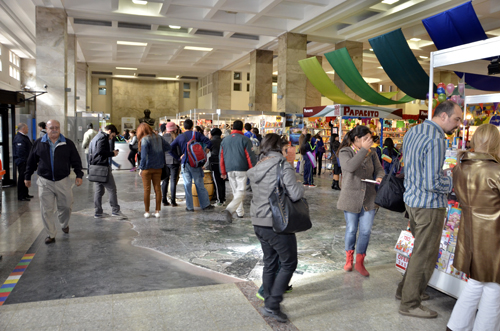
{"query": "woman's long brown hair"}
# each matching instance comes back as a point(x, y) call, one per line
point(143, 130)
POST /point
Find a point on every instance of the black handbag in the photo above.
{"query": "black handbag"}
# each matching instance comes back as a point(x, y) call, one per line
point(390, 192)
point(98, 173)
point(288, 216)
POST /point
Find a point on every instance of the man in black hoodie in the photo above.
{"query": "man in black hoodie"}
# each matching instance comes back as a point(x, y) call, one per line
point(99, 154)
point(220, 184)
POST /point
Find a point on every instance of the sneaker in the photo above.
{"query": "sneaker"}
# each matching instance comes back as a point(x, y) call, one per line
point(103, 215)
point(174, 204)
point(146, 215)
point(119, 215)
point(190, 210)
point(66, 229)
point(259, 296)
point(209, 207)
point(239, 216)
point(132, 170)
point(218, 204)
point(157, 215)
point(276, 314)
point(228, 216)
point(312, 185)
point(423, 297)
point(420, 312)
point(289, 289)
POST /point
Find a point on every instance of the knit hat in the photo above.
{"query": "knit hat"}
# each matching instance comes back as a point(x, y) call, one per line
point(171, 126)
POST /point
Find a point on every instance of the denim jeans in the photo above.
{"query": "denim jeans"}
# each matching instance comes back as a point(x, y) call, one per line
point(364, 220)
point(276, 247)
point(194, 174)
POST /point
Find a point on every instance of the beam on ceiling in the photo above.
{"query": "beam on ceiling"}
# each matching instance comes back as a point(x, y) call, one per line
point(115, 4)
point(7, 33)
point(10, 13)
point(266, 6)
point(164, 7)
point(215, 8)
point(146, 52)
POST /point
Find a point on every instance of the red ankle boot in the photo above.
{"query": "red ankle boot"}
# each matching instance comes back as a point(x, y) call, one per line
point(360, 267)
point(348, 260)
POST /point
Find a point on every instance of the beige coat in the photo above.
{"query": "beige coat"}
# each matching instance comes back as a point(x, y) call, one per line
point(477, 186)
point(356, 194)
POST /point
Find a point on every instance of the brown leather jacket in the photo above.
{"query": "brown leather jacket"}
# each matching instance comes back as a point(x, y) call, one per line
point(477, 185)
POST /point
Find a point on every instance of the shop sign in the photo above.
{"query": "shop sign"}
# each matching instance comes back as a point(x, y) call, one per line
point(348, 111)
point(311, 111)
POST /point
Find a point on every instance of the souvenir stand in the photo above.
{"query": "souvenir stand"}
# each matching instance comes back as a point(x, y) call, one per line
point(445, 277)
point(357, 113)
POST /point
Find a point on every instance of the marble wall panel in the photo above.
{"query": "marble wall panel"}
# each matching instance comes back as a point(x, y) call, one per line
point(51, 63)
point(71, 77)
point(131, 97)
point(221, 89)
point(81, 86)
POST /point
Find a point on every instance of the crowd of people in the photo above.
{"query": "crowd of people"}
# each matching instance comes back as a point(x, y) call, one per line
point(244, 158)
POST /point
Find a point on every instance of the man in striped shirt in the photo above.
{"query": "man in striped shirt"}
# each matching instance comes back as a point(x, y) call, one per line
point(426, 191)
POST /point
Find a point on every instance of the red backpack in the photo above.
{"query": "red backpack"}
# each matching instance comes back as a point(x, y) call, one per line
point(195, 153)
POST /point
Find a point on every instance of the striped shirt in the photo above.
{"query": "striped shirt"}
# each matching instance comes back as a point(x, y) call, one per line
point(424, 148)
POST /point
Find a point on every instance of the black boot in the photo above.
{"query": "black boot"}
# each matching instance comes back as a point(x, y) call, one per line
point(335, 185)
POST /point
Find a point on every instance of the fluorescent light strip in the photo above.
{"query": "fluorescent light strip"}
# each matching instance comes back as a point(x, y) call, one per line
point(389, 2)
point(423, 57)
point(167, 78)
point(124, 76)
point(125, 68)
point(140, 2)
point(175, 27)
point(131, 43)
point(194, 48)
point(415, 39)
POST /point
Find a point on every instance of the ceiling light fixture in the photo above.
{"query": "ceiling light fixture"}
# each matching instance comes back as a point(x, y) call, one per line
point(415, 39)
point(389, 2)
point(194, 48)
point(175, 27)
point(167, 78)
point(423, 57)
point(331, 72)
point(371, 49)
point(140, 2)
point(131, 43)
point(125, 68)
point(380, 68)
point(124, 76)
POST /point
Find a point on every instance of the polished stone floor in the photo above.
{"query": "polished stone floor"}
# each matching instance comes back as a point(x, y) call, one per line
point(192, 271)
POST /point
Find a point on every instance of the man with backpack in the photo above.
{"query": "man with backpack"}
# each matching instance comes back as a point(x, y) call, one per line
point(192, 160)
point(236, 157)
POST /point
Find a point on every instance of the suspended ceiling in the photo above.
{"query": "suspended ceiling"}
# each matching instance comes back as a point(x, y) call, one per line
point(230, 28)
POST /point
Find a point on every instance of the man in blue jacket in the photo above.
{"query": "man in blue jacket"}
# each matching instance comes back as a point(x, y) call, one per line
point(52, 156)
point(22, 146)
point(190, 174)
point(236, 157)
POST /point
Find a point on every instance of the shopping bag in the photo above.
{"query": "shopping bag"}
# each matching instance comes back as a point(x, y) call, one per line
point(312, 158)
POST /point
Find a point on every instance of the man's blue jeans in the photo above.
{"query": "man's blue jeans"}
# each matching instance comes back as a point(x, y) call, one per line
point(194, 174)
point(364, 220)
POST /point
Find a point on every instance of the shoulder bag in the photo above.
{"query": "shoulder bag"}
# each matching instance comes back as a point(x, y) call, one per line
point(98, 173)
point(390, 192)
point(288, 216)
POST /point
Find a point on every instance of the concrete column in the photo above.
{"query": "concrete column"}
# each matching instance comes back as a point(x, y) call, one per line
point(51, 64)
point(313, 96)
point(81, 86)
point(261, 80)
point(71, 81)
point(291, 78)
point(221, 89)
point(356, 51)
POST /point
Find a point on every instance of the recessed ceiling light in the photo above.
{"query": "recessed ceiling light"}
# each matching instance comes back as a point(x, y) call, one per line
point(167, 78)
point(194, 48)
point(124, 76)
point(331, 72)
point(131, 43)
point(380, 68)
point(175, 27)
point(275, 72)
point(371, 49)
point(389, 2)
point(140, 2)
point(415, 39)
point(125, 68)
point(423, 57)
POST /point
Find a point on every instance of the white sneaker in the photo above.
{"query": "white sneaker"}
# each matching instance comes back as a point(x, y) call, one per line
point(146, 215)
point(157, 215)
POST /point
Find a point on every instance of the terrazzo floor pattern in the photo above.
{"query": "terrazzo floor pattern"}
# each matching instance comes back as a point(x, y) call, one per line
point(324, 297)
